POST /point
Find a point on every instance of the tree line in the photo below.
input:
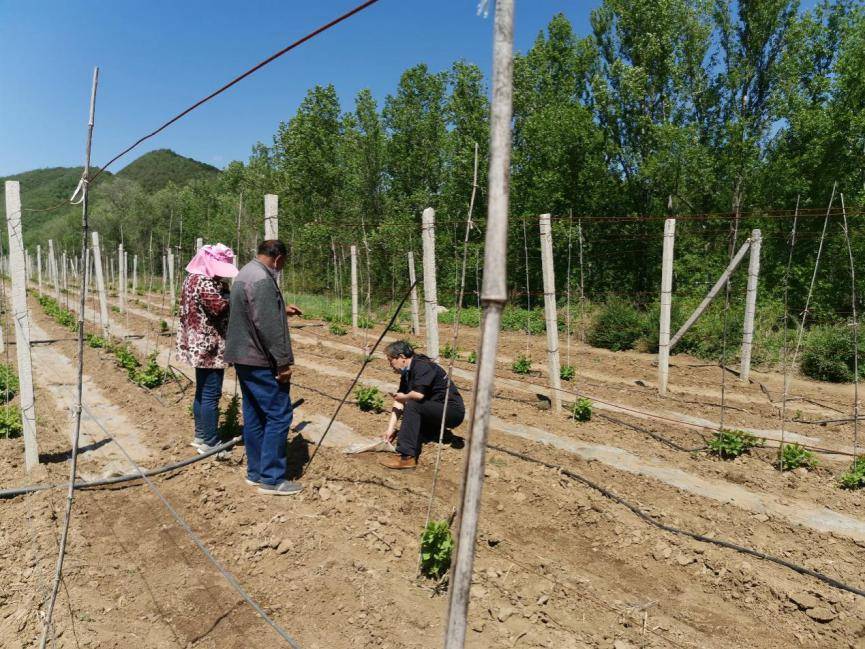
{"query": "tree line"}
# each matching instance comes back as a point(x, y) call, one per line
point(737, 112)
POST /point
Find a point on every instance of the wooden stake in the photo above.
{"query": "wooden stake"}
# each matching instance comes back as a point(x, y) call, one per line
point(750, 306)
point(430, 297)
point(712, 294)
point(354, 287)
point(134, 275)
point(100, 286)
point(494, 298)
point(666, 305)
point(199, 244)
point(550, 311)
point(412, 278)
point(271, 217)
point(21, 317)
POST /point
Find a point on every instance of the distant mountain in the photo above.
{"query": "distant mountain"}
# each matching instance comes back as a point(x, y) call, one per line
point(156, 169)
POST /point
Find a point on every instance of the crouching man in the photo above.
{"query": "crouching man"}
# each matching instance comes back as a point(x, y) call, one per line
point(418, 404)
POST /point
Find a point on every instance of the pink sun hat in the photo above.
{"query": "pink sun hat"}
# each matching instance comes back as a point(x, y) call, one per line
point(213, 261)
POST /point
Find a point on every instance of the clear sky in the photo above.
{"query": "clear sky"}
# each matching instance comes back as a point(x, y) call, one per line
point(158, 56)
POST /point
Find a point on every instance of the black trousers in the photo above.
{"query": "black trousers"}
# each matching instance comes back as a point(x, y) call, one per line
point(422, 419)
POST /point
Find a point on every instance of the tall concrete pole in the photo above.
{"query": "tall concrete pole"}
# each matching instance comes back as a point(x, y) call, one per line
point(412, 278)
point(750, 306)
point(550, 311)
point(430, 296)
point(666, 305)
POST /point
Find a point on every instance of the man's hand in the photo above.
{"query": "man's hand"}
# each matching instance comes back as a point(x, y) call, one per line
point(293, 309)
point(283, 374)
point(400, 397)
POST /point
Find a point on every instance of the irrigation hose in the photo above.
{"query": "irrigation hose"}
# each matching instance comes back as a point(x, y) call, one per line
point(675, 530)
point(128, 477)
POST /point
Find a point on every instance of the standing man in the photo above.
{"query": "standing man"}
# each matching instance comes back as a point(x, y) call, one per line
point(259, 346)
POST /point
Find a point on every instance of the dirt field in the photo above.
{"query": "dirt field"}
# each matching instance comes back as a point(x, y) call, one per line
point(558, 564)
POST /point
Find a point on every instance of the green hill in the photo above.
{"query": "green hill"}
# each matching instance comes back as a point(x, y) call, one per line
point(156, 169)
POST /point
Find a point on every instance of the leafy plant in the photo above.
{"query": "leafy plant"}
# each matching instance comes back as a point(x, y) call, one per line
point(163, 327)
point(855, 477)
point(8, 383)
point(794, 455)
point(436, 547)
point(582, 409)
point(472, 357)
point(617, 326)
point(449, 351)
point(729, 444)
point(396, 327)
point(567, 372)
point(230, 427)
point(523, 365)
point(10, 422)
point(828, 354)
point(127, 360)
point(369, 398)
point(96, 342)
point(151, 376)
point(365, 322)
point(337, 329)
point(115, 309)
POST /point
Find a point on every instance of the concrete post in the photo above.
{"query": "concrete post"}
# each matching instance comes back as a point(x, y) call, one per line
point(171, 289)
point(121, 280)
point(199, 243)
point(134, 275)
point(100, 286)
point(666, 305)
point(22, 323)
point(750, 306)
point(38, 267)
point(429, 283)
point(271, 216)
point(550, 311)
point(354, 299)
point(52, 270)
point(412, 278)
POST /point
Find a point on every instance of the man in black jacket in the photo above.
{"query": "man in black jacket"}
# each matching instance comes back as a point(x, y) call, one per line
point(419, 403)
point(259, 346)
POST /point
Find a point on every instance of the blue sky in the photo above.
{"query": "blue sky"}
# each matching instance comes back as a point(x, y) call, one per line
point(157, 57)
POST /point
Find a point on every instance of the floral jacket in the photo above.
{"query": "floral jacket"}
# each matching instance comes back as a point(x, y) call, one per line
point(203, 322)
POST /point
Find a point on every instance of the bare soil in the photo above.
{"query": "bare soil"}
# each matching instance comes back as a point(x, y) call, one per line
point(558, 564)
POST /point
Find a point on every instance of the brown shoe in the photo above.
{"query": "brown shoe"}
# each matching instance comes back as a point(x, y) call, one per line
point(396, 461)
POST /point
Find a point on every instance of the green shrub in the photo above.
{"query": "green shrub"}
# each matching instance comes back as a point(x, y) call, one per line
point(96, 342)
point(827, 354)
point(8, 383)
point(163, 327)
point(365, 322)
point(337, 329)
point(10, 422)
point(396, 327)
point(470, 316)
point(523, 365)
point(567, 372)
point(516, 319)
point(793, 456)
point(436, 546)
point(582, 409)
point(472, 357)
point(449, 351)
point(369, 398)
point(855, 477)
point(127, 360)
point(617, 326)
point(729, 444)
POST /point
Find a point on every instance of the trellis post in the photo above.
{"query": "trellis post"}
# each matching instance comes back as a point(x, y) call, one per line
point(412, 278)
point(354, 288)
point(550, 311)
point(21, 318)
point(750, 306)
point(666, 305)
point(100, 286)
point(271, 217)
point(430, 297)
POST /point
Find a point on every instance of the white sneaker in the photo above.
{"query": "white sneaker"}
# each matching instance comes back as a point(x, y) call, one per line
point(204, 448)
point(251, 483)
point(284, 488)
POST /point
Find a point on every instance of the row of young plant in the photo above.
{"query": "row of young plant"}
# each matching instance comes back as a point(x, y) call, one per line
point(730, 444)
point(147, 374)
point(10, 415)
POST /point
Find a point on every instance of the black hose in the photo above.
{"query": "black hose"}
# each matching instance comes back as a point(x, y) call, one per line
point(675, 530)
point(20, 491)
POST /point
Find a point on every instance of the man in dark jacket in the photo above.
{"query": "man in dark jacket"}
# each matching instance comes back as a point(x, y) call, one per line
point(259, 346)
point(420, 403)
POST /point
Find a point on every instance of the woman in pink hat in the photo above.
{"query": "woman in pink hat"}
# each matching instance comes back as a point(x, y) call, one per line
point(201, 335)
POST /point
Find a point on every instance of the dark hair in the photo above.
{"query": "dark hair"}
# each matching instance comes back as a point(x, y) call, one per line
point(272, 248)
point(399, 348)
